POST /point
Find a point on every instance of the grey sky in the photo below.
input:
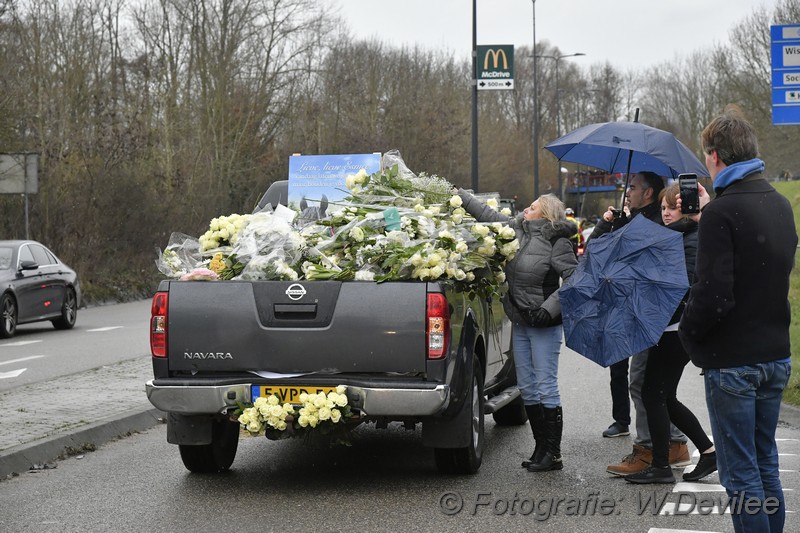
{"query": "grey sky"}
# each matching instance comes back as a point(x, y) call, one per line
point(628, 33)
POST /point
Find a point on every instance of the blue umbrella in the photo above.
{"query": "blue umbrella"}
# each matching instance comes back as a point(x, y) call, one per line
point(627, 147)
point(624, 291)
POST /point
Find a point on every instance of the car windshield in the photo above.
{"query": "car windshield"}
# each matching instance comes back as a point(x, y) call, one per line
point(5, 258)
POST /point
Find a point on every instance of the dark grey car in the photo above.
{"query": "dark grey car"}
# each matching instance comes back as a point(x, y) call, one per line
point(35, 286)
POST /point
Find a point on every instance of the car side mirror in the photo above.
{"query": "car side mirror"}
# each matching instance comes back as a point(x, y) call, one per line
point(28, 265)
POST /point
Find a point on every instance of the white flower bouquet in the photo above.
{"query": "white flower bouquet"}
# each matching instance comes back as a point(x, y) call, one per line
point(394, 226)
point(323, 414)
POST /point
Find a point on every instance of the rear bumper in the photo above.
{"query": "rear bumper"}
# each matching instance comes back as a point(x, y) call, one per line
point(372, 401)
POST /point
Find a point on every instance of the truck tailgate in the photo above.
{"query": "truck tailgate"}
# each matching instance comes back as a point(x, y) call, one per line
point(291, 327)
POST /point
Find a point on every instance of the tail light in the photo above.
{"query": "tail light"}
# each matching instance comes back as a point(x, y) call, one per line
point(158, 325)
point(438, 330)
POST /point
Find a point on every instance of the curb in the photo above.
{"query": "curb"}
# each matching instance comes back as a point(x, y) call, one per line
point(23, 457)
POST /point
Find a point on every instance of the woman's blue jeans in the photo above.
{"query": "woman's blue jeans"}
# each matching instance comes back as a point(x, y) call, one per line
point(536, 353)
point(743, 406)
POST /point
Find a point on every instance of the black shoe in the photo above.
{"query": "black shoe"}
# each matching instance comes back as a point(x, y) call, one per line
point(705, 466)
point(536, 419)
point(616, 430)
point(548, 462)
point(554, 426)
point(651, 474)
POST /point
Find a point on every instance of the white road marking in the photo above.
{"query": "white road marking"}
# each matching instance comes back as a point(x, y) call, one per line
point(21, 359)
point(21, 343)
point(12, 374)
point(109, 328)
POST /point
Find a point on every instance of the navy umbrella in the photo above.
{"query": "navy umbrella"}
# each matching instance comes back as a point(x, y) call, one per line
point(627, 147)
point(624, 291)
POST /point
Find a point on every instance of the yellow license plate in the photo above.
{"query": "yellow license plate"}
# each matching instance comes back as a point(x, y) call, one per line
point(288, 393)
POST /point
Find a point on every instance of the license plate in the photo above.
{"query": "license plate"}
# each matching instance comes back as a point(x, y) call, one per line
point(287, 393)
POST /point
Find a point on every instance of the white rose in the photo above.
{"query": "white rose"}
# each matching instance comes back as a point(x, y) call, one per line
point(492, 202)
point(336, 415)
point(341, 389)
point(357, 234)
point(505, 211)
point(456, 201)
point(436, 272)
point(303, 421)
point(365, 275)
point(341, 399)
point(350, 181)
point(324, 413)
point(480, 229)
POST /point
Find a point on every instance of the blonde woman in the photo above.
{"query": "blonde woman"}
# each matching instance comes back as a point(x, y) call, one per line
point(545, 258)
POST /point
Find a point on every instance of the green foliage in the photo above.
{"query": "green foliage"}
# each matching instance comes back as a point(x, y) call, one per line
point(791, 190)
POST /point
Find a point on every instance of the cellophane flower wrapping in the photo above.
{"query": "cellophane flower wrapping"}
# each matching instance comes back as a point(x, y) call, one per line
point(394, 226)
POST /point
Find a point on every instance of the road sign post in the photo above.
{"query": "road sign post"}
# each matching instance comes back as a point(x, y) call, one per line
point(495, 67)
point(785, 49)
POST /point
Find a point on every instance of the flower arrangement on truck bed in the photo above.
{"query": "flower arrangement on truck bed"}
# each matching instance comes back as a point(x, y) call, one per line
point(394, 226)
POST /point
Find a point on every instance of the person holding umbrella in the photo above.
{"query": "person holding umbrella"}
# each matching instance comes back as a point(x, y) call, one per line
point(665, 363)
point(642, 199)
point(735, 325)
point(544, 258)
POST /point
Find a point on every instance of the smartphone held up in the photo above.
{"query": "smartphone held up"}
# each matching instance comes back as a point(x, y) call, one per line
point(690, 196)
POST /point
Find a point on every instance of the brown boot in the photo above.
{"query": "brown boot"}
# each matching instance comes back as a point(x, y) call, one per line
point(679, 454)
point(636, 461)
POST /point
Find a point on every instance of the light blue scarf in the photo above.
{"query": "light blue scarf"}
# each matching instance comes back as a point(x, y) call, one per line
point(737, 171)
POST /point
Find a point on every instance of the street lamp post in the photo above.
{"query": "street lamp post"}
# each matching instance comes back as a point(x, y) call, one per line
point(535, 113)
point(558, 59)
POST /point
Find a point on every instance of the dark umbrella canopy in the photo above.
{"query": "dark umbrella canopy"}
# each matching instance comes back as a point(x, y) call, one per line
point(609, 145)
point(624, 291)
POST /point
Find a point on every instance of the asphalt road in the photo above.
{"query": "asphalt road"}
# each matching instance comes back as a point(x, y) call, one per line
point(101, 336)
point(385, 482)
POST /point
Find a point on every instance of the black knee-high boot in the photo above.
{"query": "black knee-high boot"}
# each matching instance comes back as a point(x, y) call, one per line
point(536, 420)
point(554, 424)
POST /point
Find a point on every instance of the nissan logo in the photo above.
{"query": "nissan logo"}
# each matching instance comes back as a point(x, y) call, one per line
point(295, 291)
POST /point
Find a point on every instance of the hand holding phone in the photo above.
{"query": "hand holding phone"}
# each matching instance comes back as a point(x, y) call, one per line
point(690, 196)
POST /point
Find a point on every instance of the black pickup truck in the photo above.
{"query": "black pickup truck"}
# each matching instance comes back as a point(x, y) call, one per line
point(407, 351)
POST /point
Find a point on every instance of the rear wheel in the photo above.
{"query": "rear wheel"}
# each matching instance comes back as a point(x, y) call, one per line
point(8, 316)
point(512, 414)
point(467, 460)
point(69, 311)
point(217, 456)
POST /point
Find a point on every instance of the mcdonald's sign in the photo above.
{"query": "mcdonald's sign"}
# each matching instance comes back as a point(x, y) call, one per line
point(495, 67)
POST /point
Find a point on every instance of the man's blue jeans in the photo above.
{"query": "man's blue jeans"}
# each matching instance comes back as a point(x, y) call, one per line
point(536, 352)
point(743, 406)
